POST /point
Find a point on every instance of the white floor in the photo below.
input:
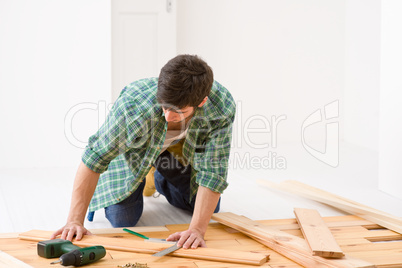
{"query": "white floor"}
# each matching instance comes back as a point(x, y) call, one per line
point(39, 198)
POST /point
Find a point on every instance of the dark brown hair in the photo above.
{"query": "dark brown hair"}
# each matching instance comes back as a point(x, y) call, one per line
point(184, 81)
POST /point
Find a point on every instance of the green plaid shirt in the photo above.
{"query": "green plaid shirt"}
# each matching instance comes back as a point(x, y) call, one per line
point(131, 139)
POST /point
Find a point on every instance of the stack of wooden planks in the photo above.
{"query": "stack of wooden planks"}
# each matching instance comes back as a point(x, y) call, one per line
point(380, 217)
point(291, 246)
point(356, 237)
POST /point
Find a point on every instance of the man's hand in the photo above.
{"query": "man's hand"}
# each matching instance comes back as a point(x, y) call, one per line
point(70, 230)
point(205, 205)
point(188, 239)
point(83, 190)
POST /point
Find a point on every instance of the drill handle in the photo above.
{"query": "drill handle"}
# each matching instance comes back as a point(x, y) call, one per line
point(83, 256)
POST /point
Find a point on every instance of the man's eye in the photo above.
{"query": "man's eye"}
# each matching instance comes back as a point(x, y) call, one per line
point(172, 110)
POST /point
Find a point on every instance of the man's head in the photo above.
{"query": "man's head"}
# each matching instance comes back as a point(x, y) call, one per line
point(185, 81)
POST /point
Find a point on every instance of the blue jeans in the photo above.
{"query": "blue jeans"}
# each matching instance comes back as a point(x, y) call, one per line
point(126, 213)
point(177, 194)
point(174, 184)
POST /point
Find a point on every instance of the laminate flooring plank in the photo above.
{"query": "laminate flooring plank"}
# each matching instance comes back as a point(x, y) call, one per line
point(290, 246)
point(7, 261)
point(351, 238)
point(140, 229)
point(132, 245)
point(384, 219)
point(317, 234)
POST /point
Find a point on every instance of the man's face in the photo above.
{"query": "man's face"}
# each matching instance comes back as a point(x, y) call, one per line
point(178, 116)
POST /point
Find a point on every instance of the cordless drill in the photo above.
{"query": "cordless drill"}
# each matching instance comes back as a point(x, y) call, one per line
point(70, 254)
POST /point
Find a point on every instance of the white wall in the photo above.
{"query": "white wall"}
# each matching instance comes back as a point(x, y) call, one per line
point(53, 55)
point(276, 57)
point(362, 72)
point(390, 168)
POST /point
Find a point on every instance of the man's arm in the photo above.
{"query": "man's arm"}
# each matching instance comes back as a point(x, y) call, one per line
point(212, 172)
point(205, 205)
point(84, 188)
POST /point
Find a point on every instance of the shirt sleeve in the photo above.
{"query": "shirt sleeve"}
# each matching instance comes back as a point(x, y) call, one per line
point(212, 164)
point(113, 137)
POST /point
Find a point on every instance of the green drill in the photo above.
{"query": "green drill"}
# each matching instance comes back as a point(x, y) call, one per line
point(69, 254)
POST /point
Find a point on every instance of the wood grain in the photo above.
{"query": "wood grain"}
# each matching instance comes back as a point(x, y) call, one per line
point(317, 234)
point(353, 234)
point(377, 216)
point(292, 247)
point(7, 261)
point(140, 229)
point(131, 245)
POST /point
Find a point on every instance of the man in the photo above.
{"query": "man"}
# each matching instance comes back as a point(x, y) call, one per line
point(184, 108)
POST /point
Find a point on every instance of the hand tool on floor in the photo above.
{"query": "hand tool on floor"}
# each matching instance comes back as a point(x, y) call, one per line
point(69, 254)
point(158, 240)
point(166, 251)
point(160, 253)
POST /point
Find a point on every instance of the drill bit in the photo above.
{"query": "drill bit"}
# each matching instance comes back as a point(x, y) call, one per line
point(55, 262)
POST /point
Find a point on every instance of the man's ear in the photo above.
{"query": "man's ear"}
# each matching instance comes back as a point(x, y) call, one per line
point(203, 102)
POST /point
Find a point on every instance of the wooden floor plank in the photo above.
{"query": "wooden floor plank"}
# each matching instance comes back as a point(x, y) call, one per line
point(285, 266)
point(141, 229)
point(7, 261)
point(352, 241)
point(318, 236)
point(334, 221)
point(372, 247)
point(290, 246)
point(9, 235)
point(380, 217)
point(350, 236)
point(133, 245)
point(382, 258)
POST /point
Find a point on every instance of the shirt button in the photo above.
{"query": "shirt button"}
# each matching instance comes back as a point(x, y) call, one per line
point(158, 147)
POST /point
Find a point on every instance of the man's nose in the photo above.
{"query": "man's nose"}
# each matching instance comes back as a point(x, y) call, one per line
point(172, 116)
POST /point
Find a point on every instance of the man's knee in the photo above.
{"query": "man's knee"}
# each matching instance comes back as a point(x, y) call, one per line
point(125, 217)
point(128, 212)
